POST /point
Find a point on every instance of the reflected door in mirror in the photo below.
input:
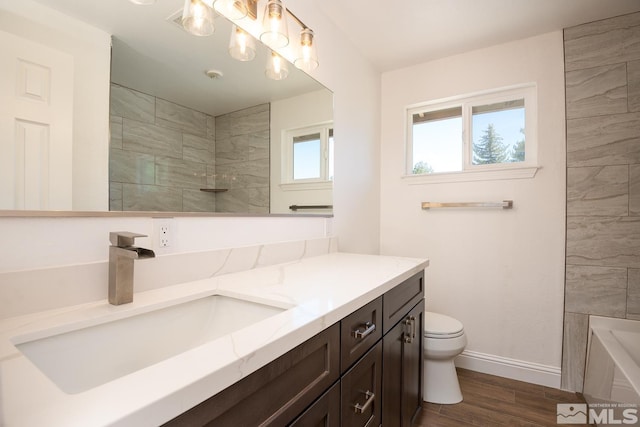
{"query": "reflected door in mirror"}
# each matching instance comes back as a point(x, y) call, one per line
point(36, 113)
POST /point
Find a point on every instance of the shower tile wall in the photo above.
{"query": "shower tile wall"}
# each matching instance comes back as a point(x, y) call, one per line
point(242, 160)
point(162, 154)
point(602, 78)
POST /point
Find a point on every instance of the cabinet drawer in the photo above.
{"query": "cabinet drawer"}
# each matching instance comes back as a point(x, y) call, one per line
point(325, 412)
point(359, 331)
point(398, 301)
point(276, 393)
point(361, 390)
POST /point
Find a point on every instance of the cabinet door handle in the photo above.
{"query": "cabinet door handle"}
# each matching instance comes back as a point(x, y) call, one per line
point(369, 328)
point(410, 336)
point(413, 326)
point(359, 409)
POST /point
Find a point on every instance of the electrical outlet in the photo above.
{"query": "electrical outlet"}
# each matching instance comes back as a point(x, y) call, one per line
point(165, 241)
point(164, 231)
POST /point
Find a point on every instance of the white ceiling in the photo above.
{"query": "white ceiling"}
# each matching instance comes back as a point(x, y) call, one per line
point(156, 56)
point(398, 33)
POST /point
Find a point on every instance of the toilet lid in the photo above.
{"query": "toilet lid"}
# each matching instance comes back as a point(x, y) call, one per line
point(439, 325)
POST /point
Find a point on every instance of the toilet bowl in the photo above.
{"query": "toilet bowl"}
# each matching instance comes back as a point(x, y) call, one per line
point(444, 339)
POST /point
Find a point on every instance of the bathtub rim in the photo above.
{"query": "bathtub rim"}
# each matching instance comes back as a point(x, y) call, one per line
point(602, 327)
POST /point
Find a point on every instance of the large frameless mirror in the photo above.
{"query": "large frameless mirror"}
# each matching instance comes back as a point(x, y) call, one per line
point(193, 128)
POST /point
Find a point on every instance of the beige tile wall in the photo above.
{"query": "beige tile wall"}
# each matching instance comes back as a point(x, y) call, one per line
point(242, 160)
point(602, 71)
point(162, 154)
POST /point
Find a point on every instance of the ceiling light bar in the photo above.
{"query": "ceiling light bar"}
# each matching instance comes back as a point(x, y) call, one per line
point(197, 19)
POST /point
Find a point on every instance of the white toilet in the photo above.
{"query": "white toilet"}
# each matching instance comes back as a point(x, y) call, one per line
point(444, 339)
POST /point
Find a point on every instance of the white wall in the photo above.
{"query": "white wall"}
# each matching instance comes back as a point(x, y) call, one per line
point(501, 272)
point(293, 113)
point(356, 87)
point(91, 51)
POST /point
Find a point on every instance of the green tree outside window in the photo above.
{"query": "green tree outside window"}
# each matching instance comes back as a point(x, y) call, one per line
point(490, 149)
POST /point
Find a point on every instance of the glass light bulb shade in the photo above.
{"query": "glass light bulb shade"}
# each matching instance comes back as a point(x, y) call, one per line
point(231, 9)
point(197, 18)
point(242, 45)
point(274, 25)
point(143, 2)
point(277, 68)
point(307, 57)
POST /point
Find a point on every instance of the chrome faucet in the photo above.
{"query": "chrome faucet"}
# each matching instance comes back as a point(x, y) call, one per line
point(121, 256)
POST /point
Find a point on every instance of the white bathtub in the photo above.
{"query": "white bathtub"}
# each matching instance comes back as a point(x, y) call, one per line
point(613, 361)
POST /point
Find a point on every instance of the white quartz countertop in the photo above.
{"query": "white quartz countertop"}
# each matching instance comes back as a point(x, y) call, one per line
point(321, 290)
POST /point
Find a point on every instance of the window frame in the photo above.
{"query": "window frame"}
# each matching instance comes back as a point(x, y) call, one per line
point(287, 179)
point(469, 171)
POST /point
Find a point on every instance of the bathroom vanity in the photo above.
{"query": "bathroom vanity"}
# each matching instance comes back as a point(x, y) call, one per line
point(338, 327)
point(338, 375)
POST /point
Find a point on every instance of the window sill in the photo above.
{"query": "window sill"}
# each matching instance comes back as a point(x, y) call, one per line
point(301, 186)
point(469, 176)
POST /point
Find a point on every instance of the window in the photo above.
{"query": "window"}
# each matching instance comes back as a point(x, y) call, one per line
point(308, 155)
point(498, 133)
point(437, 141)
point(494, 131)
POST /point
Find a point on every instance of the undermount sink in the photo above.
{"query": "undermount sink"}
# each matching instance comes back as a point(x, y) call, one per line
point(81, 359)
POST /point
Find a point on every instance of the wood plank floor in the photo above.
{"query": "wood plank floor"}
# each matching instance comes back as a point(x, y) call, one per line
point(496, 401)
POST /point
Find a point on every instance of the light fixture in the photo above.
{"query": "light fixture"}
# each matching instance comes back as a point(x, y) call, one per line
point(197, 18)
point(232, 9)
point(274, 25)
point(143, 2)
point(242, 46)
point(276, 67)
point(307, 58)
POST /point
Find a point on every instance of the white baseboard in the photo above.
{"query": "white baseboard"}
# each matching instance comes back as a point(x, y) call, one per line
point(510, 368)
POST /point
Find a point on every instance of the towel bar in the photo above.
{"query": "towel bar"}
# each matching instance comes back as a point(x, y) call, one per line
point(505, 204)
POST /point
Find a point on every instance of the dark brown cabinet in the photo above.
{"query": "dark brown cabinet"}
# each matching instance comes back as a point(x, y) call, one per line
point(361, 388)
point(401, 312)
point(324, 413)
point(359, 331)
point(399, 300)
point(365, 370)
point(276, 393)
point(402, 367)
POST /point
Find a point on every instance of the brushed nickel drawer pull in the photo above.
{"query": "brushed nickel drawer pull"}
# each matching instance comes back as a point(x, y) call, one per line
point(370, 327)
point(413, 326)
point(409, 336)
point(370, 398)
